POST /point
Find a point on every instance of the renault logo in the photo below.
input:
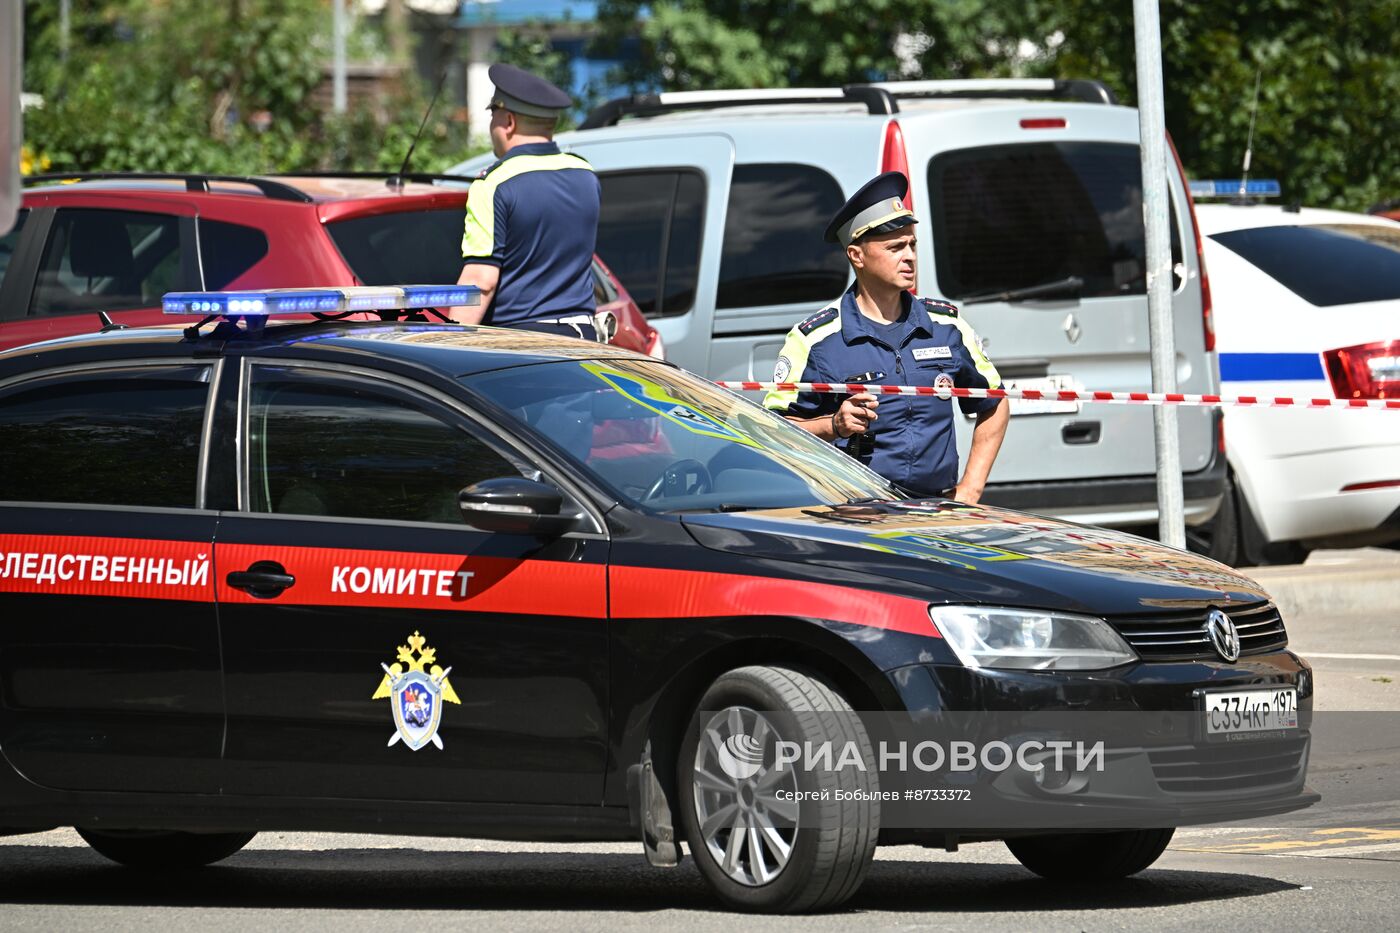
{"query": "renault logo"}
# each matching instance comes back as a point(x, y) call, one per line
point(1223, 635)
point(1071, 328)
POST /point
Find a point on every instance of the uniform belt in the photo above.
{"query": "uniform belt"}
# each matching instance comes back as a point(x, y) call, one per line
point(570, 319)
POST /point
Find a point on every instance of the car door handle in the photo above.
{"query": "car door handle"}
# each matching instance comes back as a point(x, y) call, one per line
point(263, 580)
point(1081, 432)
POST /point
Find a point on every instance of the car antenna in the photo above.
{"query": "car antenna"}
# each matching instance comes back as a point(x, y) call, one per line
point(108, 323)
point(396, 180)
point(1249, 142)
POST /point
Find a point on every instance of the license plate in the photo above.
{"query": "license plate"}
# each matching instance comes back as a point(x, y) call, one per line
point(1043, 406)
point(1242, 712)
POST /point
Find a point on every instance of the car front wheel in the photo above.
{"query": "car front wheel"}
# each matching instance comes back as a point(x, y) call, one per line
point(773, 837)
point(1091, 856)
point(164, 850)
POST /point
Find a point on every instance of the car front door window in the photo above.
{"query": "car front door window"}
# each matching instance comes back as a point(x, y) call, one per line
point(345, 448)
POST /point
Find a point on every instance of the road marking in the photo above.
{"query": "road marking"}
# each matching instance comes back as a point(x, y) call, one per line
point(1338, 841)
point(1350, 657)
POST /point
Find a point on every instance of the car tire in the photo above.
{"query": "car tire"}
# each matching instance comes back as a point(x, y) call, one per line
point(737, 824)
point(1091, 856)
point(1255, 550)
point(164, 850)
point(1219, 539)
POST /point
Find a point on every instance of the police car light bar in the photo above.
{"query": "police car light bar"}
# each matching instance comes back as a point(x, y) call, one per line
point(1236, 188)
point(272, 301)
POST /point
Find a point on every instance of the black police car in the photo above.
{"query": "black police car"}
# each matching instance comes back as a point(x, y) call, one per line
point(428, 579)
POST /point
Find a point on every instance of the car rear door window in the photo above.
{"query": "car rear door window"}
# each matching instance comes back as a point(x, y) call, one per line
point(105, 260)
point(410, 247)
point(129, 437)
point(649, 231)
point(1324, 264)
point(228, 250)
point(1017, 216)
point(773, 248)
point(8, 244)
point(323, 445)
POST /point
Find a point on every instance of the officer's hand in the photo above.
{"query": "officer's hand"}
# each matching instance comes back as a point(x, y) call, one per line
point(855, 415)
point(967, 493)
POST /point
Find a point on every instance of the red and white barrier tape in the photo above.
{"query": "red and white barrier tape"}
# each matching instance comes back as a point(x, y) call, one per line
point(1116, 398)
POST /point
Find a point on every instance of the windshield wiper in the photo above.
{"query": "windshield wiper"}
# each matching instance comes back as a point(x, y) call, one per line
point(722, 507)
point(1060, 288)
point(866, 500)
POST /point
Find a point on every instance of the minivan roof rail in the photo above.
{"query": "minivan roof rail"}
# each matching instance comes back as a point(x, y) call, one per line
point(880, 97)
point(876, 99)
point(423, 177)
point(276, 190)
point(1085, 90)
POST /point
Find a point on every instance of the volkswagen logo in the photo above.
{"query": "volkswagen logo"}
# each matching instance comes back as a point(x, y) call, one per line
point(1223, 635)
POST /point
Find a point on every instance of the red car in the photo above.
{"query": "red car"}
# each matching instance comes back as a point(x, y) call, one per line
point(117, 242)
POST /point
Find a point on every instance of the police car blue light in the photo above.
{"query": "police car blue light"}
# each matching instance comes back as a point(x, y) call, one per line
point(1230, 188)
point(323, 300)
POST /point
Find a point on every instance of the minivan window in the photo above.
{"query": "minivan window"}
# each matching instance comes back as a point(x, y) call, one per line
point(1016, 216)
point(773, 248)
point(228, 250)
point(112, 438)
point(104, 260)
point(410, 247)
point(649, 233)
point(1324, 264)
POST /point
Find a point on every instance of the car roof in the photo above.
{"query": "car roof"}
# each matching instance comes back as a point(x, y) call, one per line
point(748, 117)
point(317, 188)
point(451, 349)
point(1222, 218)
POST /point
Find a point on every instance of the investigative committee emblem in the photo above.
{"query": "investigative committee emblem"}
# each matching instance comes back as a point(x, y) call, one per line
point(417, 686)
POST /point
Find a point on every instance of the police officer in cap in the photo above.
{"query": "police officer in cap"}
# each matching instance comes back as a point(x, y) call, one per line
point(532, 217)
point(879, 333)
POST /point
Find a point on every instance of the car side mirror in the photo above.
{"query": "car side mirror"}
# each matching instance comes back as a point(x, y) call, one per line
point(515, 506)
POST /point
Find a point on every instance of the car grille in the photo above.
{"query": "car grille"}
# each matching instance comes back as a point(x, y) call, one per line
point(1211, 769)
point(1181, 636)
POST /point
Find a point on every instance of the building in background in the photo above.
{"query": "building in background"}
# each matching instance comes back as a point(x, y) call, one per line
point(468, 36)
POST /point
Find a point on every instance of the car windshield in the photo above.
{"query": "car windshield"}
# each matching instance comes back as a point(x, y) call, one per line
point(1325, 264)
point(667, 440)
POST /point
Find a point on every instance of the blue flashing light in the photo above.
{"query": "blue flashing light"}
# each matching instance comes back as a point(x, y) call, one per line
point(274, 301)
point(1234, 188)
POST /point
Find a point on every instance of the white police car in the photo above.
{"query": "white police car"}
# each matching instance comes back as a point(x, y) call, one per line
point(1307, 304)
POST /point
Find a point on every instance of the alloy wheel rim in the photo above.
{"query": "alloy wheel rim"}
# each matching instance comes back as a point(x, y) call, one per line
point(745, 806)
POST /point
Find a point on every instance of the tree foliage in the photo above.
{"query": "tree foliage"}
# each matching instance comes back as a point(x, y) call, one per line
point(182, 85)
point(1328, 72)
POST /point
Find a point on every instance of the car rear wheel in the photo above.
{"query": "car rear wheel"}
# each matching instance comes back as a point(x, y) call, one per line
point(164, 850)
point(759, 841)
point(1091, 856)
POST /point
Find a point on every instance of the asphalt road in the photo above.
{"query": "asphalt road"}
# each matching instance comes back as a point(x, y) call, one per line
point(1335, 866)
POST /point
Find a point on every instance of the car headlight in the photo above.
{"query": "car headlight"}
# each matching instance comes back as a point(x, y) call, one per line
point(1029, 639)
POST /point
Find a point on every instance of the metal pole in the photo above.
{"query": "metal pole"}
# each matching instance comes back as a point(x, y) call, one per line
point(1152, 125)
point(65, 21)
point(338, 68)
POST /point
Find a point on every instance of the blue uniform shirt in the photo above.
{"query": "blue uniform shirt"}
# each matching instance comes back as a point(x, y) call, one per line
point(929, 345)
point(535, 214)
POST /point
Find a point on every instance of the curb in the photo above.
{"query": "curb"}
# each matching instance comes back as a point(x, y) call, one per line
point(1361, 582)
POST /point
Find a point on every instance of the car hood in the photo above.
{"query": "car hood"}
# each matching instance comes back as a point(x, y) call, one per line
point(950, 552)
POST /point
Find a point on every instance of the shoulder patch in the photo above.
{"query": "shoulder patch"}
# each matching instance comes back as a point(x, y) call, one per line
point(822, 317)
point(934, 306)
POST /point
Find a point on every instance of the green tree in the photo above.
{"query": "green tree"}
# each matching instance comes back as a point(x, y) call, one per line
point(1329, 73)
point(1328, 81)
point(180, 85)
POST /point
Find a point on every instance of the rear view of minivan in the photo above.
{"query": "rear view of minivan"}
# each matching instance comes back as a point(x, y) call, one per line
point(1029, 194)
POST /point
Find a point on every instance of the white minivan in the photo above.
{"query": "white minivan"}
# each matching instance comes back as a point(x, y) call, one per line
point(1030, 197)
